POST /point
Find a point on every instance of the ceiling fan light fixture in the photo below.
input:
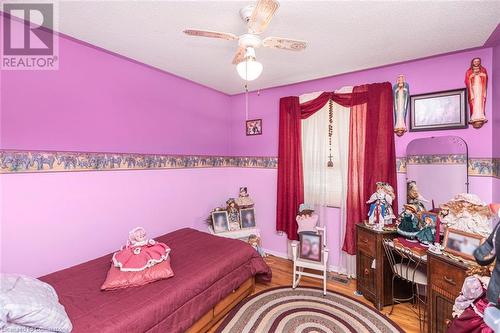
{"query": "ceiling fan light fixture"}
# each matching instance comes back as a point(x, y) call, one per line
point(249, 69)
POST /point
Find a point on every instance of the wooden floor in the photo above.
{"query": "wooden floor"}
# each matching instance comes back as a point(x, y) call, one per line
point(282, 276)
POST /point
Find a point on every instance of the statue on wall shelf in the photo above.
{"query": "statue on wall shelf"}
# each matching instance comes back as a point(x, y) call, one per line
point(381, 212)
point(401, 93)
point(476, 81)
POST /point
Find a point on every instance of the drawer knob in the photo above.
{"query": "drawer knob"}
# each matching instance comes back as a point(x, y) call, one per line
point(367, 271)
point(450, 280)
point(364, 240)
point(447, 322)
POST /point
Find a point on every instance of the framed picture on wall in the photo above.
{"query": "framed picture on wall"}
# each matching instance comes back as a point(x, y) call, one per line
point(254, 127)
point(438, 111)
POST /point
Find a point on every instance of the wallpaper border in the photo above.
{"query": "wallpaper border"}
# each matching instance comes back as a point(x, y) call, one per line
point(17, 161)
point(20, 161)
point(477, 167)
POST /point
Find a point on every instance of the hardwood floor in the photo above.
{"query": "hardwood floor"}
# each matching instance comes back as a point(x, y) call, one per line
point(403, 315)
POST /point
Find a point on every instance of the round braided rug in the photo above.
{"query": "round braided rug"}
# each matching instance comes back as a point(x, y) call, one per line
point(304, 310)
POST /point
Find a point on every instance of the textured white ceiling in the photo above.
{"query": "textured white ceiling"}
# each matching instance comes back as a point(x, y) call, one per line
point(343, 36)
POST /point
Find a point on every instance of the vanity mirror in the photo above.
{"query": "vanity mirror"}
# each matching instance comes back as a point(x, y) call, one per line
point(438, 165)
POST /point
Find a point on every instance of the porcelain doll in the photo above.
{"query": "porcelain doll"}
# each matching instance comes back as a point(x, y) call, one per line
point(381, 212)
point(408, 224)
point(254, 241)
point(233, 214)
point(140, 253)
point(414, 197)
point(244, 200)
point(476, 81)
point(401, 93)
point(306, 219)
point(427, 234)
point(466, 212)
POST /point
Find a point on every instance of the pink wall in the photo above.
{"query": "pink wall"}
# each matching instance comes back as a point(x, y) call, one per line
point(55, 220)
point(101, 102)
point(98, 101)
point(427, 75)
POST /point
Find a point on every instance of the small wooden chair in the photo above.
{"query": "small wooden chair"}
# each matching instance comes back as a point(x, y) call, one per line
point(299, 264)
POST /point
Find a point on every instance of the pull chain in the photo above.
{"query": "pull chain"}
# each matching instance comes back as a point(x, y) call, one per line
point(330, 133)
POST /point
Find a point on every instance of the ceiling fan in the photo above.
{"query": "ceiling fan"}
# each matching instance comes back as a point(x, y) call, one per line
point(257, 17)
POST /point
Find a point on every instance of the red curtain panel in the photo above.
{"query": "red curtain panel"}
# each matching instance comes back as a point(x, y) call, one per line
point(371, 149)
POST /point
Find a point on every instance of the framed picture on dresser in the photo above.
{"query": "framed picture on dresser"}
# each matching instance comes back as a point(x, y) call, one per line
point(461, 243)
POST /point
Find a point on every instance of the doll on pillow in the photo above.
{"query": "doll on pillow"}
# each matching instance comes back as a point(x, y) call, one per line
point(140, 253)
point(306, 219)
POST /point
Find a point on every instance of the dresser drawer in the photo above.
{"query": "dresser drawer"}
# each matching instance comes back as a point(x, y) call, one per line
point(446, 276)
point(366, 242)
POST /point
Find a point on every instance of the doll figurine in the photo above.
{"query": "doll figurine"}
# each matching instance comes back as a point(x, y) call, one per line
point(306, 219)
point(408, 225)
point(243, 200)
point(233, 214)
point(414, 197)
point(140, 253)
point(381, 212)
point(427, 234)
point(254, 241)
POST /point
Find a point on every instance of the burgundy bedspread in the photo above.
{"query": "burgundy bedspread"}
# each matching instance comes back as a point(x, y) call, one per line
point(207, 268)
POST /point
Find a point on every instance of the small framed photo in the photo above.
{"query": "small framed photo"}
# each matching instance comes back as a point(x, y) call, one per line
point(461, 243)
point(254, 127)
point(438, 111)
point(310, 246)
point(220, 221)
point(247, 217)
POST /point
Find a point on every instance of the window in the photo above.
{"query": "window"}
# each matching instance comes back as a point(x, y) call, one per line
point(322, 184)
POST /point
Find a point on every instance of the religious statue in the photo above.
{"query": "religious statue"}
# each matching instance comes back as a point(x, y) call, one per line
point(381, 213)
point(401, 93)
point(243, 200)
point(476, 80)
point(233, 214)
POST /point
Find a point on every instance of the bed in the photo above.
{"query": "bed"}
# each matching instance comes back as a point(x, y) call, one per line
point(212, 274)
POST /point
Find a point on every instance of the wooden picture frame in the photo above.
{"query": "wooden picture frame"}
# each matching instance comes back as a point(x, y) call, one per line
point(220, 221)
point(313, 249)
point(253, 127)
point(438, 111)
point(461, 243)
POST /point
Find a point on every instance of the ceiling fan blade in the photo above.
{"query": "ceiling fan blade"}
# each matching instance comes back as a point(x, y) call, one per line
point(211, 34)
point(239, 56)
point(284, 43)
point(262, 15)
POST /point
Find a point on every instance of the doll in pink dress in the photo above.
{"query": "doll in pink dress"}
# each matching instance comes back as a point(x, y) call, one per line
point(140, 252)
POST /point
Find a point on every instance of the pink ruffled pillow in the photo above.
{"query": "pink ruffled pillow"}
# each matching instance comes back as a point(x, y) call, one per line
point(117, 279)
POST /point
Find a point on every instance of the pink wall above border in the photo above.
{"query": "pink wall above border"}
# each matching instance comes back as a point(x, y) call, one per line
point(101, 102)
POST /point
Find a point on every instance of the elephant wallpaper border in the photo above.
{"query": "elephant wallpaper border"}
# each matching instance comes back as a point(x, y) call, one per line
point(47, 161)
point(16, 161)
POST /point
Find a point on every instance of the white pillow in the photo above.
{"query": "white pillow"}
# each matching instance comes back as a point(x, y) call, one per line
point(29, 302)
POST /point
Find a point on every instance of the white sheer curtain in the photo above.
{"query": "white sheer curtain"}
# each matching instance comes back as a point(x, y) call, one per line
point(325, 186)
